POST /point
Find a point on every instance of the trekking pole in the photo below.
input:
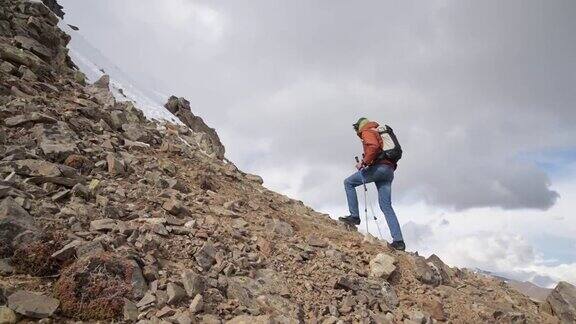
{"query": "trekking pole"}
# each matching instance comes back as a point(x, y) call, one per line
point(365, 197)
point(376, 221)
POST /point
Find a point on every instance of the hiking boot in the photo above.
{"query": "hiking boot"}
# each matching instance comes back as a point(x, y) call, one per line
point(350, 220)
point(398, 245)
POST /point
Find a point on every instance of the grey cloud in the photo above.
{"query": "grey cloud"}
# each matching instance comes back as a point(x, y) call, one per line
point(467, 85)
point(416, 233)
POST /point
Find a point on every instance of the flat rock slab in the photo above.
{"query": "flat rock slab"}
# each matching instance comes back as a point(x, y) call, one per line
point(29, 118)
point(105, 224)
point(32, 305)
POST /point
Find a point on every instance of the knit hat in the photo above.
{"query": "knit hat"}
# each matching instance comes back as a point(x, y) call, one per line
point(360, 123)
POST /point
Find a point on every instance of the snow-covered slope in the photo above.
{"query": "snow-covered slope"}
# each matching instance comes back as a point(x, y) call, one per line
point(95, 64)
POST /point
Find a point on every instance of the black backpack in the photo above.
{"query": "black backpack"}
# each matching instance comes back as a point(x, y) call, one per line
point(391, 149)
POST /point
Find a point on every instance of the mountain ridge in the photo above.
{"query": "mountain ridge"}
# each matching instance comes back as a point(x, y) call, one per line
point(107, 215)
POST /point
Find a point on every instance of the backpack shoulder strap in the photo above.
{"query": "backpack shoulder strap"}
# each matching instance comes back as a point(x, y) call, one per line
point(390, 131)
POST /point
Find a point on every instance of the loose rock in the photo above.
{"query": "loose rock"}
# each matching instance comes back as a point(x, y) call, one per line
point(193, 283)
point(175, 293)
point(7, 316)
point(116, 166)
point(130, 311)
point(382, 266)
point(32, 305)
point(197, 304)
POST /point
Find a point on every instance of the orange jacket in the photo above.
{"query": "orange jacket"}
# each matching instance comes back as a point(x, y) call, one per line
point(372, 143)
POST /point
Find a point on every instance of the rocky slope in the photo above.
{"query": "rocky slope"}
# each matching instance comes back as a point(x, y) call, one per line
point(107, 216)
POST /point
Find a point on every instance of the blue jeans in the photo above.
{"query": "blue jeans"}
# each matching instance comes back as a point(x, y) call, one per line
point(382, 175)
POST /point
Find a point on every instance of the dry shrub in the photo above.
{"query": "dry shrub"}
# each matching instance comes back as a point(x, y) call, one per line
point(35, 258)
point(93, 288)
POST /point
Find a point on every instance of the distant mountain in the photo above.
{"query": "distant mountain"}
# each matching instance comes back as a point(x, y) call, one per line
point(527, 288)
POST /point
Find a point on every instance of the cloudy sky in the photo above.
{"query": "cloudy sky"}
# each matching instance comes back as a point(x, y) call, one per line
point(480, 93)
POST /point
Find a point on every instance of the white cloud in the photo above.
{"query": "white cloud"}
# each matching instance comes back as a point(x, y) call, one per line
point(202, 21)
point(520, 244)
point(503, 253)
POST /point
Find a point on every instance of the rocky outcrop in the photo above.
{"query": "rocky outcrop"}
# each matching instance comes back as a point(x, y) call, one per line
point(33, 43)
point(105, 215)
point(55, 7)
point(207, 137)
point(563, 302)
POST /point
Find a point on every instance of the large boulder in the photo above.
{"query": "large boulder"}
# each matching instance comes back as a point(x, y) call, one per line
point(100, 91)
point(13, 221)
point(208, 138)
point(426, 272)
point(445, 271)
point(563, 302)
point(103, 82)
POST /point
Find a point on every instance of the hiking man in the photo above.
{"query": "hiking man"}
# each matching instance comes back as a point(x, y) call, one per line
point(374, 167)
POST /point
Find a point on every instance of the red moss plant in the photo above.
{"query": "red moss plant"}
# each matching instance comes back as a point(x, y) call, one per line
point(35, 257)
point(94, 288)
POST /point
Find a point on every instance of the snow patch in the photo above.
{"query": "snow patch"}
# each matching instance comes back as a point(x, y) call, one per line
point(94, 64)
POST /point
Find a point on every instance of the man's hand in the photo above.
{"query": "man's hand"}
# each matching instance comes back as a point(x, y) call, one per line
point(359, 166)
